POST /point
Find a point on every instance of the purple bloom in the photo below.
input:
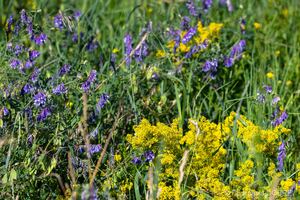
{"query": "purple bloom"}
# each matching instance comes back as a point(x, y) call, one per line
point(92, 45)
point(43, 114)
point(195, 49)
point(260, 97)
point(40, 39)
point(189, 35)
point(281, 156)
point(24, 18)
point(292, 190)
point(243, 26)
point(206, 4)
point(235, 54)
point(40, 99)
point(9, 46)
point(58, 21)
point(29, 64)
point(149, 156)
point(102, 101)
point(128, 48)
point(275, 100)
point(5, 111)
point(15, 63)
point(136, 160)
point(60, 89)
point(30, 139)
point(94, 148)
point(268, 89)
point(77, 15)
point(27, 88)
point(64, 69)
point(10, 21)
point(34, 75)
point(185, 23)
point(192, 8)
point(33, 54)
point(210, 65)
point(94, 133)
point(18, 49)
point(283, 116)
point(30, 31)
point(87, 84)
point(141, 52)
point(17, 29)
point(227, 3)
point(75, 37)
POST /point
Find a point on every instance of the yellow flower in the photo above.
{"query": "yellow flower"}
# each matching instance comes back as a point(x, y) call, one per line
point(160, 53)
point(286, 184)
point(270, 75)
point(257, 25)
point(118, 157)
point(115, 50)
point(289, 83)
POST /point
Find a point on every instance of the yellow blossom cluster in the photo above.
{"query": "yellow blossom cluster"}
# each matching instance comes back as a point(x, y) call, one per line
point(207, 159)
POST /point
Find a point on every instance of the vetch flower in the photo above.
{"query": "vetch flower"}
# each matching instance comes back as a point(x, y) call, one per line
point(211, 67)
point(34, 75)
point(5, 111)
point(28, 64)
point(44, 114)
point(128, 48)
point(64, 69)
point(95, 148)
point(33, 54)
point(243, 26)
point(10, 21)
point(87, 84)
point(40, 39)
point(141, 52)
point(195, 49)
point(227, 3)
point(235, 54)
point(77, 15)
point(58, 21)
point(149, 156)
point(27, 88)
point(260, 97)
point(185, 23)
point(15, 63)
point(268, 89)
point(60, 89)
point(283, 116)
point(206, 4)
point(102, 101)
point(40, 99)
point(92, 45)
point(281, 156)
point(192, 8)
point(275, 100)
point(189, 35)
point(136, 160)
point(24, 18)
point(18, 49)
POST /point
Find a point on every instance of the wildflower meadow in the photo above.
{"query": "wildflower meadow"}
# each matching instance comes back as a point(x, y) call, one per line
point(149, 99)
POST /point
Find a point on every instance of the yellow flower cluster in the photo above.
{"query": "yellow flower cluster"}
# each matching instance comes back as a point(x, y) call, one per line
point(206, 160)
point(207, 33)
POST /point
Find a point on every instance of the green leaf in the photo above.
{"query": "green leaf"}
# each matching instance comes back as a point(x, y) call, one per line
point(136, 187)
point(13, 175)
point(1, 123)
point(4, 179)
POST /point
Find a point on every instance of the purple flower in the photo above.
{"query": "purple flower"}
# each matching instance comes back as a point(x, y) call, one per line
point(40, 39)
point(268, 89)
point(89, 193)
point(227, 3)
point(260, 97)
point(40, 99)
point(283, 116)
point(43, 114)
point(30, 31)
point(5, 111)
point(235, 54)
point(29, 64)
point(102, 101)
point(58, 21)
point(292, 190)
point(17, 29)
point(206, 4)
point(15, 63)
point(34, 75)
point(77, 15)
point(210, 65)
point(243, 26)
point(27, 88)
point(30, 139)
point(92, 45)
point(64, 69)
point(94, 133)
point(136, 160)
point(87, 84)
point(149, 156)
point(192, 8)
point(10, 21)
point(275, 100)
point(9, 46)
point(141, 52)
point(33, 54)
point(18, 49)
point(281, 156)
point(24, 18)
point(189, 35)
point(185, 23)
point(60, 89)
point(75, 37)
point(128, 48)
point(195, 49)
point(95, 148)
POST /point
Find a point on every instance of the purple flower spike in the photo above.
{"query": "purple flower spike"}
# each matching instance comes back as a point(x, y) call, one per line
point(60, 89)
point(5, 111)
point(87, 84)
point(268, 89)
point(102, 101)
point(15, 63)
point(185, 23)
point(128, 48)
point(33, 54)
point(141, 52)
point(27, 89)
point(206, 5)
point(189, 35)
point(64, 69)
point(95, 148)
point(281, 156)
point(210, 65)
point(136, 160)
point(40, 39)
point(10, 21)
point(149, 156)
point(44, 114)
point(18, 49)
point(58, 21)
point(235, 54)
point(24, 18)
point(275, 100)
point(40, 99)
point(77, 15)
point(192, 8)
point(34, 75)
point(280, 119)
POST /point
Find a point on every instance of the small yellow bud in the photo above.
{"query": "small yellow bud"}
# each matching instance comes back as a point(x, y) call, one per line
point(270, 75)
